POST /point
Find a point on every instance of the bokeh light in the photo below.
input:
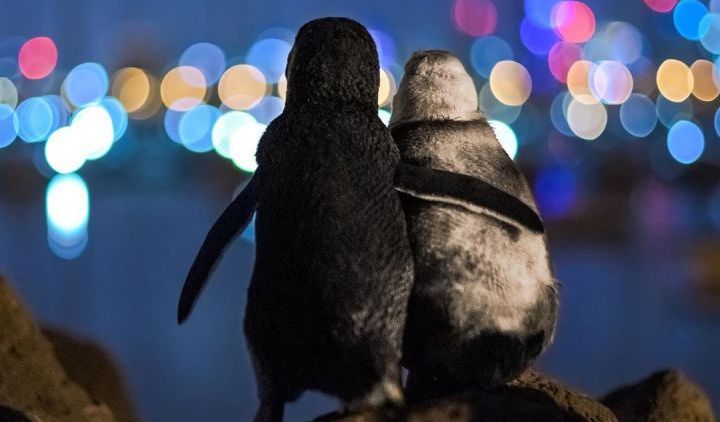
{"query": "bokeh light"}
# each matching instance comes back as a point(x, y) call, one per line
point(475, 17)
point(8, 125)
point(704, 87)
point(243, 145)
point(86, 83)
point(196, 127)
point(674, 80)
point(494, 109)
point(8, 92)
point(282, 87)
point(578, 82)
point(131, 86)
point(638, 115)
point(118, 116)
point(94, 127)
point(270, 57)
point(716, 121)
point(537, 37)
point(573, 21)
point(561, 58)
point(64, 151)
point(384, 116)
point(35, 119)
point(558, 110)
point(268, 109)
point(242, 87)
point(387, 87)
point(510, 83)
point(485, 52)
point(685, 142)
point(540, 11)
point(587, 121)
point(506, 136)
point(624, 40)
point(206, 57)
point(224, 129)
point(611, 82)
point(171, 122)
point(67, 207)
point(662, 6)
point(687, 17)
point(37, 57)
point(183, 88)
point(709, 31)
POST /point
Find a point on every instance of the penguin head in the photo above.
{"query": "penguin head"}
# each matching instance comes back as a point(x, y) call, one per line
point(333, 61)
point(435, 87)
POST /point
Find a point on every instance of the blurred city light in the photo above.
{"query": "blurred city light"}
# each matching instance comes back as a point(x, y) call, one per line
point(67, 205)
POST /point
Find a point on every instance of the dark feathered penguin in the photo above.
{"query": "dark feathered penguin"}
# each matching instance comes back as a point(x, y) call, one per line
point(327, 301)
point(484, 303)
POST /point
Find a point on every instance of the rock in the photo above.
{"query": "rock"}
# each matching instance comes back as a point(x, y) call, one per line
point(31, 378)
point(533, 397)
point(665, 396)
point(93, 368)
point(580, 404)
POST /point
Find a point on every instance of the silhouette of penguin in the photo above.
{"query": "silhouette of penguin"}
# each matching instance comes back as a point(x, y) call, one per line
point(484, 302)
point(328, 296)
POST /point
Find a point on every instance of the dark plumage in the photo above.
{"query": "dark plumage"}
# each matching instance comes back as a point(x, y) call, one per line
point(327, 301)
point(484, 302)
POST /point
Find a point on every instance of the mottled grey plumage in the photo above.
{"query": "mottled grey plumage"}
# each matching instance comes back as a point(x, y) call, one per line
point(328, 297)
point(484, 303)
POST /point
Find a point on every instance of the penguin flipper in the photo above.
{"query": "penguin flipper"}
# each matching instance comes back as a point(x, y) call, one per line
point(466, 191)
point(232, 221)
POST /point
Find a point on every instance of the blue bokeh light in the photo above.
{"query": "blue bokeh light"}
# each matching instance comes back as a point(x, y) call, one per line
point(716, 121)
point(387, 51)
point(638, 115)
point(8, 125)
point(486, 51)
point(196, 128)
point(86, 83)
point(494, 109)
point(710, 32)
point(558, 108)
point(687, 17)
point(685, 142)
point(67, 210)
point(540, 11)
point(270, 56)
point(118, 115)
point(537, 38)
point(208, 58)
point(268, 109)
point(171, 121)
point(35, 119)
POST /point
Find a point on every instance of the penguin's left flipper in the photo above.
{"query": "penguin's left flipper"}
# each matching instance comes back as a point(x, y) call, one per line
point(232, 221)
point(466, 191)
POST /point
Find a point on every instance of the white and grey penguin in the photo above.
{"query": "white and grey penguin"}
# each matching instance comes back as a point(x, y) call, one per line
point(484, 303)
point(328, 296)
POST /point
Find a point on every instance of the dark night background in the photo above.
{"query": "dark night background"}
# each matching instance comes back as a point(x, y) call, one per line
point(634, 235)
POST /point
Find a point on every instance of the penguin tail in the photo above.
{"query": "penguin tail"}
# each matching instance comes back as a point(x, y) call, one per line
point(232, 221)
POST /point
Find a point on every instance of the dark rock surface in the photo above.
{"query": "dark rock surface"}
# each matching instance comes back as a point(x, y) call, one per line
point(533, 397)
point(94, 369)
point(665, 396)
point(32, 380)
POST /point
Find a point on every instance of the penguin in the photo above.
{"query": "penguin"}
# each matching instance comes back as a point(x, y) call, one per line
point(327, 300)
point(484, 303)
